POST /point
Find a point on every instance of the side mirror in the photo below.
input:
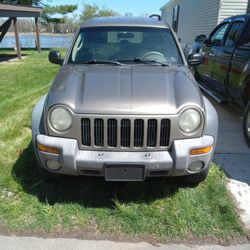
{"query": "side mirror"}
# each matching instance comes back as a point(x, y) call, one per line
point(195, 59)
point(55, 57)
point(200, 39)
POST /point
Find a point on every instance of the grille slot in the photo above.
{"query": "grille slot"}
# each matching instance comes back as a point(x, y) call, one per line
point(99, 132)
point(165, 132)
point(112, 133)
point(138, 133)
point(86, 132)
point(152, 133)
point(125, 132)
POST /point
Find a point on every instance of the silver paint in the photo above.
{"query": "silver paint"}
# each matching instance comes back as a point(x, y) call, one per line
point(129, 91)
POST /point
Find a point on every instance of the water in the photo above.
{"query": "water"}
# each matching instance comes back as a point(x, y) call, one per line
point(28, 41)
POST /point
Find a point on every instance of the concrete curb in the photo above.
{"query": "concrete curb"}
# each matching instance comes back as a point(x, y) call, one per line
point(241, 194)
point(30, 243)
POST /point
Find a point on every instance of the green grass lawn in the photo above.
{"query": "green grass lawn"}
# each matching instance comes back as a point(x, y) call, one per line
point(162, 209)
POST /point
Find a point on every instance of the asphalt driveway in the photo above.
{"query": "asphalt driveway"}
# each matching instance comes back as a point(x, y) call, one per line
point(233, 155)
point(231, 152)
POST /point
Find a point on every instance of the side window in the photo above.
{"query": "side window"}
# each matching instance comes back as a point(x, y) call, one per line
point(245, 39)
point(218, 36)
point(234, 34)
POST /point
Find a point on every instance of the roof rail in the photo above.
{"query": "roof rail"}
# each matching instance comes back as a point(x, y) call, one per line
point(155, 15)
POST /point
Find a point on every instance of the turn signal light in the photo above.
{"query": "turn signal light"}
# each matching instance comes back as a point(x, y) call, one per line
point(47, 149)
point(200, 151)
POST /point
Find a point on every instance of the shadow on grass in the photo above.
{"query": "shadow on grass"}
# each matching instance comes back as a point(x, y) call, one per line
point(88, 191)
point(8, 57)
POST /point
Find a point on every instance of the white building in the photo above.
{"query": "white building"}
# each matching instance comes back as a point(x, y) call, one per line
point(190, 18)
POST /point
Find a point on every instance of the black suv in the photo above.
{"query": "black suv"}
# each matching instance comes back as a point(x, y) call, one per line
point(225, 72)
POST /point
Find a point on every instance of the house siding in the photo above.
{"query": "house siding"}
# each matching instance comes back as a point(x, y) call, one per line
point(201, 16)
point(167, 12)
point(196, 17)
point(231, 8)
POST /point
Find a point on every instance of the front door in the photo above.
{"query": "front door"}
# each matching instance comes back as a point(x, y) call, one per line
point(240, 63)
point(224, 56)
point(210, 50)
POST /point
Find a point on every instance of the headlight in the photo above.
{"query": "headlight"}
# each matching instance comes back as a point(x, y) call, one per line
point(189, 120)
point(60, 118)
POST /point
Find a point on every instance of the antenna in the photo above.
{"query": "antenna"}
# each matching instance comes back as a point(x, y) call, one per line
point(155, 15)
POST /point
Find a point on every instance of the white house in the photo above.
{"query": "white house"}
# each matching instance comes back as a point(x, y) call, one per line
point(190, 18)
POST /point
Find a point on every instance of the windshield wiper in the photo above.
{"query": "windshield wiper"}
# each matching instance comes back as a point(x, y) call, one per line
point(103, 62)
point(139, 60)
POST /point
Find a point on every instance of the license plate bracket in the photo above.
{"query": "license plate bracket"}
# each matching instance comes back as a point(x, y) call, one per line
point(124, 172)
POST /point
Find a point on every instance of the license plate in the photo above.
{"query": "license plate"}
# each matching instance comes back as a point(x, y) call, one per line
point(124, 172)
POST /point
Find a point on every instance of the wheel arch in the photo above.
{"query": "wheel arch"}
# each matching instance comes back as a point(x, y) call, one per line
point(212, 121)
point(37, 118)
point(246, 90)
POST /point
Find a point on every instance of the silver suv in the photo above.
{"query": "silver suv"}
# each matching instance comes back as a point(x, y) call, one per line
point(125, 106)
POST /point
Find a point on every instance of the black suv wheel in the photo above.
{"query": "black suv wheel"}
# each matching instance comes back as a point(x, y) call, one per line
point(246, 124)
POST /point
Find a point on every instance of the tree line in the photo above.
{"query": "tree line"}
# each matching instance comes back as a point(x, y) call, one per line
point(55, 19)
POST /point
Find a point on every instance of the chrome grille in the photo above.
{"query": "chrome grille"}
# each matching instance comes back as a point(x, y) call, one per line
point(123, 133)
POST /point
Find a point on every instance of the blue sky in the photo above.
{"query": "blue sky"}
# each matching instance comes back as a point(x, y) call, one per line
point(137, 7)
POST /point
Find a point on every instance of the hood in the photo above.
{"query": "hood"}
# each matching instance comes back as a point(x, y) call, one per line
point(130, 89)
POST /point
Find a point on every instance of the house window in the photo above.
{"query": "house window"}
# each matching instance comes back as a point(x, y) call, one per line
point(175, 21)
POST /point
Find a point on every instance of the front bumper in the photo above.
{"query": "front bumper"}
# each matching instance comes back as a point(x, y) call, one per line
point(174, 162)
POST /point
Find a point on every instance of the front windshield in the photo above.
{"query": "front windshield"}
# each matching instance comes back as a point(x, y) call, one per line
point(125, 44)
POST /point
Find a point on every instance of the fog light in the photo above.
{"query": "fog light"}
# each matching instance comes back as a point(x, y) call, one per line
point(53, 165)
point(196, 166)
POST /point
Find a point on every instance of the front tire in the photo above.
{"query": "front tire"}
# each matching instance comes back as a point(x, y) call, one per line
point(246, 124)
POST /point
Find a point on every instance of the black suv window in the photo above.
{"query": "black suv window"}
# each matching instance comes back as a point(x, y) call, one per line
point(234, 34)
point(245, 39)
point(218, 36)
